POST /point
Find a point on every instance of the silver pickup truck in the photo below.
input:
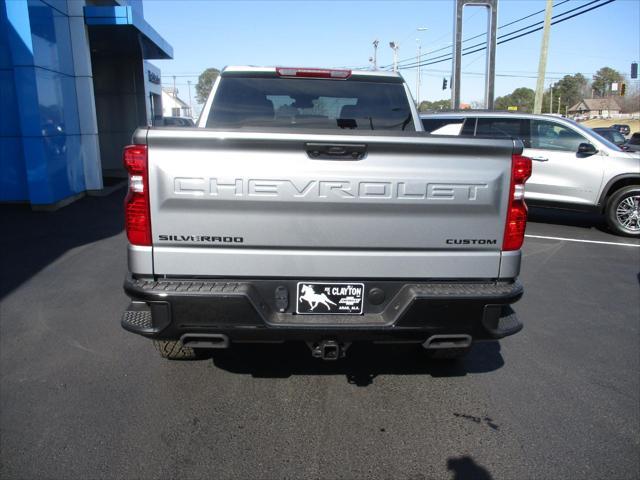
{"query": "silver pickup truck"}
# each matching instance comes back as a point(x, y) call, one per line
point(310, 205)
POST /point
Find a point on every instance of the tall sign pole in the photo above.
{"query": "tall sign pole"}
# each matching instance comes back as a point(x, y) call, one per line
point(490, 68)
point(542, 65)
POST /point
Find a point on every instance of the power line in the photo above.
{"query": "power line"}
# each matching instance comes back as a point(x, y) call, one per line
point(438, 74)
point(447, 56)
point(435, 60)
point(483, 34)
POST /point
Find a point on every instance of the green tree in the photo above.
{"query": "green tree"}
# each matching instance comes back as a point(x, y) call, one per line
point(603, 79)
point(569, 90)
point(205, 84)
point(426, 105)
point(522, 98)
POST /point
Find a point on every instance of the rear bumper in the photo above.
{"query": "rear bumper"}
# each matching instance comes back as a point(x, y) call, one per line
point(247, 311)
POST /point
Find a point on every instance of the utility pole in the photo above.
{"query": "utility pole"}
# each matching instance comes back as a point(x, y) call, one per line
point(550, 99)
point(190, 107)
point(559, 98)
point(394, 46)
point(542, 65)
point(174, 86)
point(375, 54)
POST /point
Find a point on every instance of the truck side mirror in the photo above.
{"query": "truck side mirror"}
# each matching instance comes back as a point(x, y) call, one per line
point(586, 149)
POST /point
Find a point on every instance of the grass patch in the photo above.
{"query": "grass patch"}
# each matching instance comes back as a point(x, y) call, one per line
point(634, 125)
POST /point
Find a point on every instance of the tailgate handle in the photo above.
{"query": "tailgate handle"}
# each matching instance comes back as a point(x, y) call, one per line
point(335, 151)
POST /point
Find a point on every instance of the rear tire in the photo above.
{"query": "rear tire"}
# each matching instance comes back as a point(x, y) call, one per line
point(447, 354)
point(623, 211)
point(174, 350)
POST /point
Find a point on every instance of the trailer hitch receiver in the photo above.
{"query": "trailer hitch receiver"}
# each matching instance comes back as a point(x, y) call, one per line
point(328, 349)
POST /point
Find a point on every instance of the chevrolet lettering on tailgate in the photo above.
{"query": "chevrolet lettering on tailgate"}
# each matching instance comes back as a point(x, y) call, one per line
point(408, 190)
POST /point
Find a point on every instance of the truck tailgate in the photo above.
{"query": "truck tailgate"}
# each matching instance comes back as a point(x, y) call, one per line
point(267, 204)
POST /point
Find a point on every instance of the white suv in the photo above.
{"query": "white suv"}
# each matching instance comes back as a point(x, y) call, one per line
point(575, 168)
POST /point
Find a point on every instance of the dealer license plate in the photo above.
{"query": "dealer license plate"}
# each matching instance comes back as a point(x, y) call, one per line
point(330, 298)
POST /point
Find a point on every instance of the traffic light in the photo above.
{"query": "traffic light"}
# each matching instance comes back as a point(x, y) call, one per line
point(634, 70)
point(623, 89)
point(444, 83)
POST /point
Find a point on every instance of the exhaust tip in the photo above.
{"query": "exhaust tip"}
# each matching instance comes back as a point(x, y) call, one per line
point(436, 342)
point(205, 340)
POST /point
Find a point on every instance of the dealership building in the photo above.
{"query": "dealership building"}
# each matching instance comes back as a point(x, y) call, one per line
point(74, 85)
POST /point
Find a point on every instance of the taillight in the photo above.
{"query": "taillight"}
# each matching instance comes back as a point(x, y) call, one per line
point(517, 209)
point(136, 203)
point(313, 73)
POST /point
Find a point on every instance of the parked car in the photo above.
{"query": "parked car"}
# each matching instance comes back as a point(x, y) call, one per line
point(574, 168)
point(633, 144)
point(613, 135)
point(309, 205)
point(622, 128)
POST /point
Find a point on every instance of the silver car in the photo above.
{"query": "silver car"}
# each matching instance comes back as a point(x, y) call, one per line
point(575, 168)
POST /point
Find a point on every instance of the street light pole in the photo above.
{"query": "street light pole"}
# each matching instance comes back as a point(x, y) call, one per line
point(559, 101)
point(418, 74)
point(394, 46)
point(375, 54)
point(419, 70)
point(190, 107)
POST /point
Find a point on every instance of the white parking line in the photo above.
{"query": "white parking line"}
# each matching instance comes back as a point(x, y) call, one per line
point(584, 241)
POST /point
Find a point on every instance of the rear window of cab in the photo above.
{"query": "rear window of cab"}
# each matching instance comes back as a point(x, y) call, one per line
point(261, 101)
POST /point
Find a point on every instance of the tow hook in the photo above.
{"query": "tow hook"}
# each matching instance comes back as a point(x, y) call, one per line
point(328, 349)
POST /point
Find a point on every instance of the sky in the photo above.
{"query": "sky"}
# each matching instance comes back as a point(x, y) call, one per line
point(211, 33)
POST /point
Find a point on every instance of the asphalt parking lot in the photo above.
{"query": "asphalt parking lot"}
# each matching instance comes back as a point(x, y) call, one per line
point(81, 398)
